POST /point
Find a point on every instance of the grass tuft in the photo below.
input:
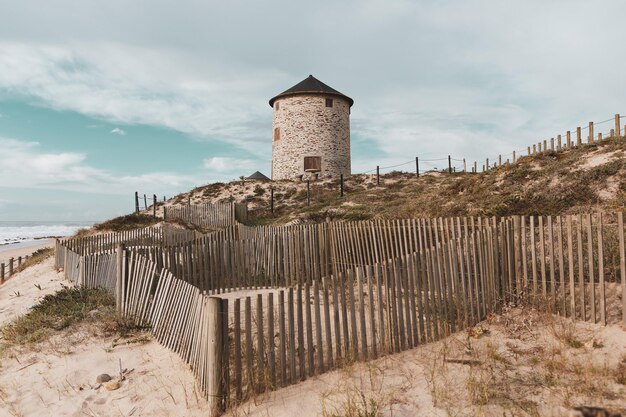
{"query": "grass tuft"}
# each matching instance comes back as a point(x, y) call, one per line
point(37, 257)
point(67, 307)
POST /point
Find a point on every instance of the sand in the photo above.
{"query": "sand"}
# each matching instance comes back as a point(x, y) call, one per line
point(56, 378)
point(22, 249)
point(396, 383)
point(26, 288)
point(527, 361)
point(59, 380)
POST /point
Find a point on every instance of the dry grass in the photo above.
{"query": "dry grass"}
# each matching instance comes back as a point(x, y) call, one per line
point(128, 222)
point(64, 310)
point(567, 182)
point(36, 258)
point(530, 364)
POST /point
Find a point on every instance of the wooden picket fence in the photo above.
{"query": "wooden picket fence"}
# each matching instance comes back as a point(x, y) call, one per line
point(332, 293)
point(208, 215)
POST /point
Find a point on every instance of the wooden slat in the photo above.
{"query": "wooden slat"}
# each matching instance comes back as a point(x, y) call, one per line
point(249, 359)
point(570, 264)
point(283, 339)
point(542, 261)
point(291, 337)
point(271, 345)
point(601, 271)
point(622, 261)
point(581, 276)
point(592, 280)
point(261, 379)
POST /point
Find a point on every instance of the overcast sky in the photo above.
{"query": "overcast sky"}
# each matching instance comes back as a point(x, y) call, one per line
point(99, 99)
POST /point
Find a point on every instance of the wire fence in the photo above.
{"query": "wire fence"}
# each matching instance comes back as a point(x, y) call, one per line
point(597, 132)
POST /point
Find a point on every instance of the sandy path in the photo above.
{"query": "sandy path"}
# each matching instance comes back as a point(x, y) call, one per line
point(22, 249)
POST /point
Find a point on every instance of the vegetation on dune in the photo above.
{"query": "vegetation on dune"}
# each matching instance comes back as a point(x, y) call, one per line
point(37, 257)
point(128, 222)
point(67, 307)
point(572, 181)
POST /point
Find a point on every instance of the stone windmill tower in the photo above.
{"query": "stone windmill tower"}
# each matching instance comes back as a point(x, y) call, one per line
point(311, 126)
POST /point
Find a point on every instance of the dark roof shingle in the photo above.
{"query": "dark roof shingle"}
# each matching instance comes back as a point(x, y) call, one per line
point(311, 85)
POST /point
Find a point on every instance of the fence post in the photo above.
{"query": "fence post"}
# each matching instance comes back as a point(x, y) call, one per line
point(514, 157)
point(617, 126)
point(552, 144)
point(475, 167)
point(464, 166)
point(487, 164)
point(500, 160)
point(11, 267)
point(19, 262)
point(590, 138)
point(154, 205)
point(417, 167)
point(119, 278)
point(529, 151)
point(579, 139)
point(558, 145)
point(136, 202)
point(568, 135)
point(449, 165)
point(545, 145)
point(308, 192)
point(377, 176)
point(341, 185)
point(164, 213)
point(214, 355)
point(2, 273)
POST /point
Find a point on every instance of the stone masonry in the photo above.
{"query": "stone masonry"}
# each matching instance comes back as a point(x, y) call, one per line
point(306, 127)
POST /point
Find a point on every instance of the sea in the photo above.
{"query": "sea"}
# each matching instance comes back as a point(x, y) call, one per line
point(19, 233)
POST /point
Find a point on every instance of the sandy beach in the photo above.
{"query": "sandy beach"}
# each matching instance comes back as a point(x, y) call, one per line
point(23, 248)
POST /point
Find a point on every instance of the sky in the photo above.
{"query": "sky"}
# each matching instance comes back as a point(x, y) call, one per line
point(102, 99)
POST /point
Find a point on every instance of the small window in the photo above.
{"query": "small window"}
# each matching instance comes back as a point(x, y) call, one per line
point(277, 106)
point(329, 102)
point(312, 163)
point(277, 133)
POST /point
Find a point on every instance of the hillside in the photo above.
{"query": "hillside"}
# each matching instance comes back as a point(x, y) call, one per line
point(552, 183)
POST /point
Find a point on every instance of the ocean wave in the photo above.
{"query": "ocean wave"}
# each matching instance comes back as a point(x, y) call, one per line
point(20, 233)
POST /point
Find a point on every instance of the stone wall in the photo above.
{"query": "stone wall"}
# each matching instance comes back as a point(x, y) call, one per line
point(309, 128)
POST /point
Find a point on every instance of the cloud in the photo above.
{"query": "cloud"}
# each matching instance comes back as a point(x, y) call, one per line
point(153, 87)
point(118, 131)
point(28, 167)
point(428, 77)
point(230, 166)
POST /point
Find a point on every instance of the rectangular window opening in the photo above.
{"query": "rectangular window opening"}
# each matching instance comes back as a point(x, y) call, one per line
point(312, 163)
point(277, 133)
point(329, 102)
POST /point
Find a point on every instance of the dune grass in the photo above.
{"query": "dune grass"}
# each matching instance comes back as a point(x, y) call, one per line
point(62, 310)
